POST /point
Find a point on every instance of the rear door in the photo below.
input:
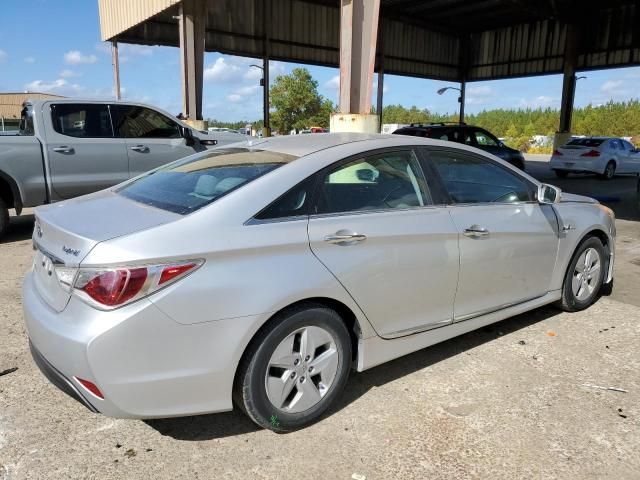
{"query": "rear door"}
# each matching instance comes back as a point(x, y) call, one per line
point(376, 229)
point(508, 242)
point(152, 139)
point(83, 154)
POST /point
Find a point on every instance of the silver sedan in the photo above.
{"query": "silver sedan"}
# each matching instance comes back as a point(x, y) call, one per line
point(262, 274)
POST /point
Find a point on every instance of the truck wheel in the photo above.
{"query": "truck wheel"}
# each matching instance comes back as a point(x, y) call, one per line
point(4, 218)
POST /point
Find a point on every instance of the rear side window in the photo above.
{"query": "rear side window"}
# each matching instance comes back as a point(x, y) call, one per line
point(391, 180)
point(472, 179)
point(199, 180)
point(132, 121)
point(81, 120)
point(586, 142)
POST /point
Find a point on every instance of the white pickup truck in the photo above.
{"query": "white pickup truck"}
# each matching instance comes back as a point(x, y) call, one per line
point(70, 147)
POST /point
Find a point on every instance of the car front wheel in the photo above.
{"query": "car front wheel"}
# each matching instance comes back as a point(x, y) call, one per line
point(584, 277)
point(294, 369)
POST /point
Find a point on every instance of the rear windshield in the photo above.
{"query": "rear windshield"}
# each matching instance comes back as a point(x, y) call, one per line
point(586, 142)
point(189, 184)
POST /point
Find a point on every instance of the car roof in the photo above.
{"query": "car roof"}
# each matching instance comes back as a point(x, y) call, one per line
point(301, 145)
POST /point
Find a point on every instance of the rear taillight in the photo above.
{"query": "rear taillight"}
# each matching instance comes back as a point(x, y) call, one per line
point(591, 153)
point(108, 288)
point(557, 153)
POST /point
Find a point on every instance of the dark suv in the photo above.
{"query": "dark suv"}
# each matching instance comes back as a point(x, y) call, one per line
point(467, 134)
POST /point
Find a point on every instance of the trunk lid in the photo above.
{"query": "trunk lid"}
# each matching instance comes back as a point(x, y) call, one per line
point(66, 232)
point(574, 152)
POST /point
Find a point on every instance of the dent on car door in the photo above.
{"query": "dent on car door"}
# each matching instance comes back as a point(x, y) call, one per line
point(83, 154)
point(152, 139)
point(374, 227)
point(508, 242)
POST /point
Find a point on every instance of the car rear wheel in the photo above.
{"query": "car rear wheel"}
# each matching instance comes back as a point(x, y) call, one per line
point(584, 277)
point(609, 171)
point(561, 173)
point(4, 218)
point(294, 369)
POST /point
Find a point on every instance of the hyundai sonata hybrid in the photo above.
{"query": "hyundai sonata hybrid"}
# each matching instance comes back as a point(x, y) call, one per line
point(261, 274)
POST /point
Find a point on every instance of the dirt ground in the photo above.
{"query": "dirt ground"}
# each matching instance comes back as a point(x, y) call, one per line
point(514, 400)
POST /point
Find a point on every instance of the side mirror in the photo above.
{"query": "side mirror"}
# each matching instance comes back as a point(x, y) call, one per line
point(189, 139)
point(548, 194)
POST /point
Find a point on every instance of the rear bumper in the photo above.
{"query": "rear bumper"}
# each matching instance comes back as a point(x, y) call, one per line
point(145, 364)
point(58, 379)
point(578, 166)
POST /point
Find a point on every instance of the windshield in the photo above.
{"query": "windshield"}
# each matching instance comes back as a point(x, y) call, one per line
point(189, 184)
point(586, 142)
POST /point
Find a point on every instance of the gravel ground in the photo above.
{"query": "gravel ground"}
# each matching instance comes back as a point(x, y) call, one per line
point(508, 401)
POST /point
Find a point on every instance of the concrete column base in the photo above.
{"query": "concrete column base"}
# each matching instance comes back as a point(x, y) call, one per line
point(560, 139)
point(353, 122)
point(197, 124)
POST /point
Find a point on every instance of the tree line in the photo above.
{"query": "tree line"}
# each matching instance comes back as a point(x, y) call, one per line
point(296, 104)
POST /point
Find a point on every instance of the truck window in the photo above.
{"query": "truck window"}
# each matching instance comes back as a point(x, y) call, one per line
point(132, 121)
point(81, 120)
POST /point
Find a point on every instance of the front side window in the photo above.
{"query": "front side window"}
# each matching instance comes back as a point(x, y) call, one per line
point(484, 139)
point(131, 121)
point(199, 180)
point(628, 146)
point(81, 120)
point(472, 179)
point(392, 180)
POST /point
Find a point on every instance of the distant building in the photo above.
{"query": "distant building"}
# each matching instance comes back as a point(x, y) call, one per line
point(11, 106)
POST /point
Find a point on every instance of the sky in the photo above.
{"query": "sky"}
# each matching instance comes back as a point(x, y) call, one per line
point(68, 58)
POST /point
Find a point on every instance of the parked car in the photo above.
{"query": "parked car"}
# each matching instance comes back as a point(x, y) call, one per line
point(604, 156)
point(262, 275)
point(66, 148)
point(468, 135)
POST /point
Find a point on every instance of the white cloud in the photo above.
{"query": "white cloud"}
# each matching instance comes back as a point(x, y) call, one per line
point(333, 83)
point(61, 86)
point(223, 71)
point(612, 86)
point(29, 60)
point(3, 55)
point(243, 93)
point(253, 74)
point(66, 73)
point(75, 57)
point(42, 86)
point(542, 101)
point(483, 90)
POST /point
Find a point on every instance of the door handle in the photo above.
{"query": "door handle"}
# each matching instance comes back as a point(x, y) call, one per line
point(346, 238)
point(140, 148)
point(63, 149)
point(475, 231)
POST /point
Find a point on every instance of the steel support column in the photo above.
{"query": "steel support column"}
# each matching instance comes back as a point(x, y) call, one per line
point(463, 89)
point(569, 79)
point(192, 20)
point(116, 69)
point(358, 35)
point(266, 128)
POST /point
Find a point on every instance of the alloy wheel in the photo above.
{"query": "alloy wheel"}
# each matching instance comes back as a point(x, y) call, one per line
point(586, 274)
point(302, 369)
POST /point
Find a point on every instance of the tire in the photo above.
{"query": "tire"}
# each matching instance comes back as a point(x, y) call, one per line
point(284, 395)
point(609, 171)
point(574, 298)
point(561, 173)
point(4, 218)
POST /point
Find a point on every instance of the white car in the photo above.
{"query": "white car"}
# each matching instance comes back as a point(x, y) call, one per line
point(604, 156)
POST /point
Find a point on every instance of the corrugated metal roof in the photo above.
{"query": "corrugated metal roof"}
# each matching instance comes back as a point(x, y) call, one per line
point(422, 38)
point(116, 16)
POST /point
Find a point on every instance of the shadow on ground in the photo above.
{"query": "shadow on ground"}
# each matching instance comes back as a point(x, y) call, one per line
point(208, 427)
point(20, 228)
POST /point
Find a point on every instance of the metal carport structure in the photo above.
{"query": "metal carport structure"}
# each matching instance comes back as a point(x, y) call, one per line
point(453, 40)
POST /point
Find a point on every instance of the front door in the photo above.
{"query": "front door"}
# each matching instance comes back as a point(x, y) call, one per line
point(152, 138)
point(508, 242)
point(83, 154)
point(377, 231)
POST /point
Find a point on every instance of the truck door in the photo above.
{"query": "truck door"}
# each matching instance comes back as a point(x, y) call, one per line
point(152, 139)
point(83, 154)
